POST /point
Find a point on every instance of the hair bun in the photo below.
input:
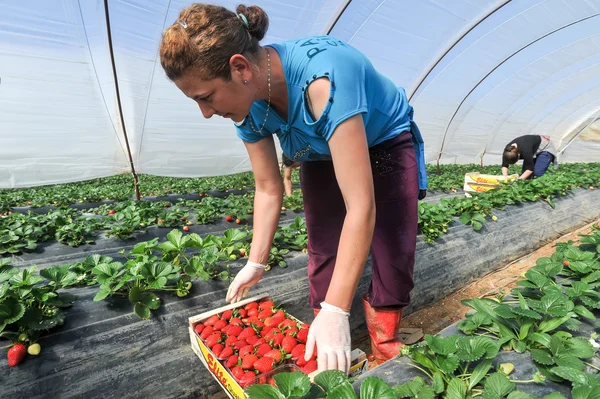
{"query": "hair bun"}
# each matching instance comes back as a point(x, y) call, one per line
point(258, 21)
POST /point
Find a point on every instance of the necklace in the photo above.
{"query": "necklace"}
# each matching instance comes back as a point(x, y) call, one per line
point(269, 99)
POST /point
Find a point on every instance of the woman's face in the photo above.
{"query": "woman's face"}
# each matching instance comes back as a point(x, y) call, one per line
point(228, 99)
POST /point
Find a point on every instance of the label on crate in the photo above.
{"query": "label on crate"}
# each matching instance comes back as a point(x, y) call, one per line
point(478, 188)
point(219, 371)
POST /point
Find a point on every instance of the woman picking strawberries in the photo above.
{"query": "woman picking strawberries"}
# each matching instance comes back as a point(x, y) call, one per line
point(361, 153)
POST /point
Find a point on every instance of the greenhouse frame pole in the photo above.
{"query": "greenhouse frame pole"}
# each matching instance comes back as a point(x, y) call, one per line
point(114, 69)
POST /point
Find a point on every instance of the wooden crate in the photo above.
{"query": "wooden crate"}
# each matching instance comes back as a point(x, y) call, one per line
point(219, 372)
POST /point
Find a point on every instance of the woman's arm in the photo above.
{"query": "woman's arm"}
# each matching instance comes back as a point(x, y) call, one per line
point(267, 199)
point(351, 161)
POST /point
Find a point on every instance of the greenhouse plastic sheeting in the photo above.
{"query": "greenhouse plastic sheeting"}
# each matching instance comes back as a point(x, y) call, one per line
point(479, 73)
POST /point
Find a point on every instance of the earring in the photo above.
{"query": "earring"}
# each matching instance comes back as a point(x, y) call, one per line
point(245, 81)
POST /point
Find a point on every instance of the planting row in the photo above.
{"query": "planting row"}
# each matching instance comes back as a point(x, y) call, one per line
point(31, 302)
point(543, 316)
point(446, 178)
point(20, 232)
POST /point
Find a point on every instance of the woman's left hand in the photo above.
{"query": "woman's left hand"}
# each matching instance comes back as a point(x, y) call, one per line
point(330, 332)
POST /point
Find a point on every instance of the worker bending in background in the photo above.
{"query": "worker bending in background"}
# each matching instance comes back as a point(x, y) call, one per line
point(536, 151)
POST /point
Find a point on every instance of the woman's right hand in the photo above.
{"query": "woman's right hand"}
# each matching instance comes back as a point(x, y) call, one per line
point(244, 280)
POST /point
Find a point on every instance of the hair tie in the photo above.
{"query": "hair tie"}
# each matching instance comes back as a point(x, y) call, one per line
point(183, 24)
point(244, 19)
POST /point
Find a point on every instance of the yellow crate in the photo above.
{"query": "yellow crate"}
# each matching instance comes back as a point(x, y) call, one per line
point(478, 178)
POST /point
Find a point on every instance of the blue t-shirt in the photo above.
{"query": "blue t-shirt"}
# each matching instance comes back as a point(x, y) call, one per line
point(355, 88)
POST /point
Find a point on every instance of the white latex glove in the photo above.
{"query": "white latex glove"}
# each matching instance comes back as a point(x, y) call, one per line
point(244, 280)
point(330, 331)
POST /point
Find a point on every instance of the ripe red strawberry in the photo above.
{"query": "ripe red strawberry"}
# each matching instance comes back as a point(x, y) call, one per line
point(238, 221)
point(112, 212)
point(16, 354)
point(230, 340)
point(262, 379)
point(232, 361)
point(265, 331)
point(259, 341)
point(272, 332)
point(226, 353)
point(229, 218)
point(300, 362)
point(226, 315)
point(212, 320)
point(206, 332)
point(252, 339)
point(310, 367)
point(277, 340)
point(271, 381)
point(218, 350)
point(251, 305)
point(288, 344)
point(287, 323)
point(302, 335)
point(247, 379)
point(219, 325)
point(263, 365)
point(236, 321)
point(291, 331)
point(263, 315)
point(566, 263)
point(248, 361)
point(298, 351)
point(199, 328)
point(242, 312)
point(275, 354)
point(262, 349)
point(274, 320)
point(251, 320)
point(186, 228)
point(237, 372)
point(213, 339)
point(240, 344)
point(246, 350)
point(252, 312)
point(264, 305)
point(234, 331)
point(247, 332)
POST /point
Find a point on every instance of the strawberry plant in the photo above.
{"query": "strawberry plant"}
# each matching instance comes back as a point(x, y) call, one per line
point(27, 306)
point(295, 202)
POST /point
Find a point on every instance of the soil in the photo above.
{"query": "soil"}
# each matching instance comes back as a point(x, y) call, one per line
point(449, 310)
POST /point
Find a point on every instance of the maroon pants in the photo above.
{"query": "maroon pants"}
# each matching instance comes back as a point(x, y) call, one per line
point(395, 179)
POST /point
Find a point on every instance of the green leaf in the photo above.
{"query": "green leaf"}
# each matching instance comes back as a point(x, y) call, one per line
point(456, 389)
point(584, 312)
point(554, 395)
point(465, 218)
point(48, 322)
point(13, 310)
point(424, 361)
point(448, 364)
point(580, 347)
point(342, 391)
point(527, 313)
point(102, 293)
point(470, 349)
point(524, 330)
point(552, 324)
point(134, 295)
point(541, 356)
point(330, 379)
point(417, 388)
point(263, 391)
point(150, 300)
point(586, 392)
point(293, 384)
point(439, 385)
point(375, 387)
point(570, 374)
point(479, 372)
point(497, 386)
point(141, 310)
point(540, 338)
point(520, 395)
point(570, 362)
point(441, 345)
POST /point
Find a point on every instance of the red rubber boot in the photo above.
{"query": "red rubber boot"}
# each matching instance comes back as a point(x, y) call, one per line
point(383, 327)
